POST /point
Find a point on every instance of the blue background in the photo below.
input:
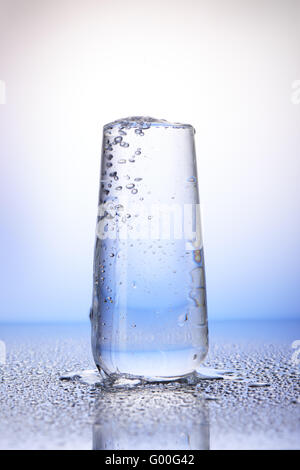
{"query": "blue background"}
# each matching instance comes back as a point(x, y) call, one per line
point(228, 68)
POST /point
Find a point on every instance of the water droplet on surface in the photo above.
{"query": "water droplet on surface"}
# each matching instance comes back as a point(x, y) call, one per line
point(198, 277)
point(258, 384)
point(182, 319)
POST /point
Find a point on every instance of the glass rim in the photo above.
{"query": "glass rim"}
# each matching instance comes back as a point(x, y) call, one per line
point(145, 122)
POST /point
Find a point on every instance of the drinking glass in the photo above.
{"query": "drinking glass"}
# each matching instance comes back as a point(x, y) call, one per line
point(148, 312)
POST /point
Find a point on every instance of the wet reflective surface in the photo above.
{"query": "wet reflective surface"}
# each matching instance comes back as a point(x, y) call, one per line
point(247, 396)
point(151, 418)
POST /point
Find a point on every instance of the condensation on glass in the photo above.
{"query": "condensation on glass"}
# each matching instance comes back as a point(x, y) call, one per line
point(148, 313)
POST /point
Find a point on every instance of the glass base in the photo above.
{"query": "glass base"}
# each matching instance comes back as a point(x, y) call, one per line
point(119, 379)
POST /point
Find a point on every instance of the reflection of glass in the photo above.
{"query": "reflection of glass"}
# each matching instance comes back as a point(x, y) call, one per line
point(151, 419)
point(149, 300)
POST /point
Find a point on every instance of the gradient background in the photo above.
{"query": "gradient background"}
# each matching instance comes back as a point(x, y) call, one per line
point(227, 67)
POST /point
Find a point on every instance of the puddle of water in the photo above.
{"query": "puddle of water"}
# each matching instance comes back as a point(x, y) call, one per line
point(93, 377)
point(88, 377)
point(209, 373)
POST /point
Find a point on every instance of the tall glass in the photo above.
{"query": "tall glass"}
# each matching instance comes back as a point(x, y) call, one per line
point(148, 314)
